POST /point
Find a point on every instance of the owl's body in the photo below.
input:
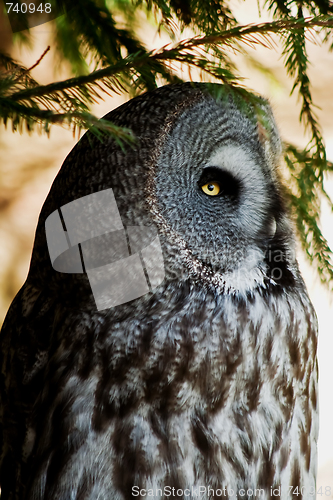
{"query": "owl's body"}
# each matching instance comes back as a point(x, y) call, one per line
point(206, 384)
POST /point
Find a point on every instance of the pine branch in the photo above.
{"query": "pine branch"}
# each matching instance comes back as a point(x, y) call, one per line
point(21, 115)
point(88, 30)
point(201, 15)
point(304, 192)
point(39, 60)
point(180, 52)
point(72, 96)
point(307, 167)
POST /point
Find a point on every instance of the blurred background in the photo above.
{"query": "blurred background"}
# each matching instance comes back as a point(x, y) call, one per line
point(29, 163)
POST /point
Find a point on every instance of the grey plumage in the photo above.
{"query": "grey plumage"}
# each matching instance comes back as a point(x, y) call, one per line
point(209, 380)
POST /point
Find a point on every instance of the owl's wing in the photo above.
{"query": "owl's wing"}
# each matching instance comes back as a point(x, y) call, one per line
point(25, 342)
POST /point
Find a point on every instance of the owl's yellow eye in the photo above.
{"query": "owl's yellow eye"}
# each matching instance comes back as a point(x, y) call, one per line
point(212, 188)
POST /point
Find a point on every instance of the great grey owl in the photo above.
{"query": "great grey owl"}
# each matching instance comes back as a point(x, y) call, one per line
point(202, 384)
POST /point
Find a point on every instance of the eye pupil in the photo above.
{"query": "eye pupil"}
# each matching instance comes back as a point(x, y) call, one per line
point(216, 182)
point(211, 188)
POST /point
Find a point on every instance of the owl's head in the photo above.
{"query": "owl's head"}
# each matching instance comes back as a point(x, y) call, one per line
point(203, 172)
point(215, 194)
